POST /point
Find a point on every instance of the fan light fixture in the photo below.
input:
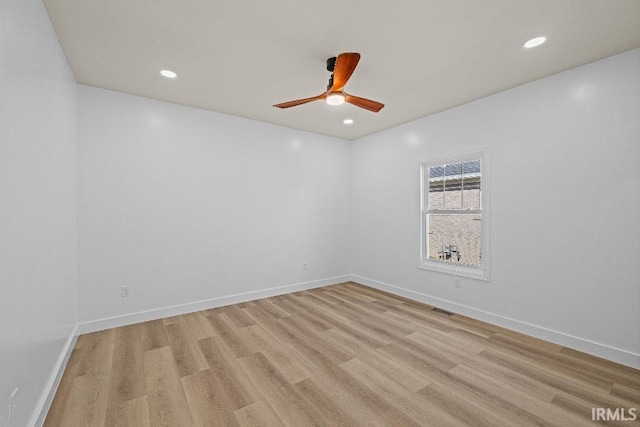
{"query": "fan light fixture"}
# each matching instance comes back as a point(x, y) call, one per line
point(335, 98)
point(536, 41)
point(169, 74)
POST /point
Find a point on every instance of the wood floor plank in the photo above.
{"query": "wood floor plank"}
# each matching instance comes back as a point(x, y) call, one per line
point(126, 383)
point(282, 355)
point(153, 335)
point(384, 306)
point(617, 373)
point(426, 318)
point(352, 295)
point(237, 387)
point(408, 377)
point(508, 376)
point(352, 396)
point(133, 413)
point(377, 295)
point(127, 363)
point(355, 306)
point(199, 326)
point(462, 408)
point(468, 347)
point(424, 358)
point(332, 415)
point(82, 340)
point(627, 372)
point(322, 295)
point(559, 380)
point(252, 339)
point(342, 355)
point(269, 323)
point(268, 306)
point(282, 335)
point(552, 361)
point(281, 396)
point(238, 317)
point(173, 319)
point(624, 392)
point(384, 294)
point(454, 354)
point(491, 403)
point(318, 345)
point(54, 417)
point(331, 309)
point(97, 352)
point(87, 402)
point(472, 325)
point(538, 344)
point(207, 400)
point(583, 409)
point(258, 414)
point(186, 353)
point(225, 331)
point(343, 325)
point(165, 395)
point(292, 305)
point(386, 331)
point(416, 407)
point(526, 407)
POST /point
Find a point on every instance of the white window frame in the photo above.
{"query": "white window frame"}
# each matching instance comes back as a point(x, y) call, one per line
point(463, 270)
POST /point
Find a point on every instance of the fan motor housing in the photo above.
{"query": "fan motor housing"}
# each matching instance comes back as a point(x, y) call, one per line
point(331, 63)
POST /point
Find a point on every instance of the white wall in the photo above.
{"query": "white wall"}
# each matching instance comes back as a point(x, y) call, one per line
point(565, 207)
point(38, 273)
point(185, 205)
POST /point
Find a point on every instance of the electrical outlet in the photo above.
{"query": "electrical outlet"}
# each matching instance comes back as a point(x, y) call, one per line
point(458, 282)
point(14, 404)
point(305, 265)
point(124, 291)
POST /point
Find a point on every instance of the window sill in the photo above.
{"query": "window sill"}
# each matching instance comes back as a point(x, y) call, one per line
point(456, 270)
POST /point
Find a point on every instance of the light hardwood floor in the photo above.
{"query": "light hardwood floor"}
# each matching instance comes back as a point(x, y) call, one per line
point(342, 355)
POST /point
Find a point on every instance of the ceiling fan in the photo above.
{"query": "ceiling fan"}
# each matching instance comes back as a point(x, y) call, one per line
point(341, 67)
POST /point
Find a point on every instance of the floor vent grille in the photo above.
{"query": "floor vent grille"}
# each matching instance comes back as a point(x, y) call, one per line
point(442, 311)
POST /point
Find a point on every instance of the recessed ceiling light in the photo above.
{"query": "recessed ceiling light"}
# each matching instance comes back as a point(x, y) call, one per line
point(536, 41)
point(169, 74)
point(347, 121)
point(335, 98)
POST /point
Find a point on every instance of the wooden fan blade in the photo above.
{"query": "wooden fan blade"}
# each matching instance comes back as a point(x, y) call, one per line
point(300, 101)
point(365, 103)
point(345, 64)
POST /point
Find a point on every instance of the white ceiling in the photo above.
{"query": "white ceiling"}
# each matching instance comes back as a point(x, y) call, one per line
point(418, 56)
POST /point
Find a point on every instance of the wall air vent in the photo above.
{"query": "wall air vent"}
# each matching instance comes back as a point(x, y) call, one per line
point(442, 311)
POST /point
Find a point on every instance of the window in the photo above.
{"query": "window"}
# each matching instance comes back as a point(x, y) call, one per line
point(453, 215)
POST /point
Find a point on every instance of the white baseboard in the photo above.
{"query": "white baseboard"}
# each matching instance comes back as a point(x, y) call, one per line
point(144, 316)
point(42, 408)
point(597, 349)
